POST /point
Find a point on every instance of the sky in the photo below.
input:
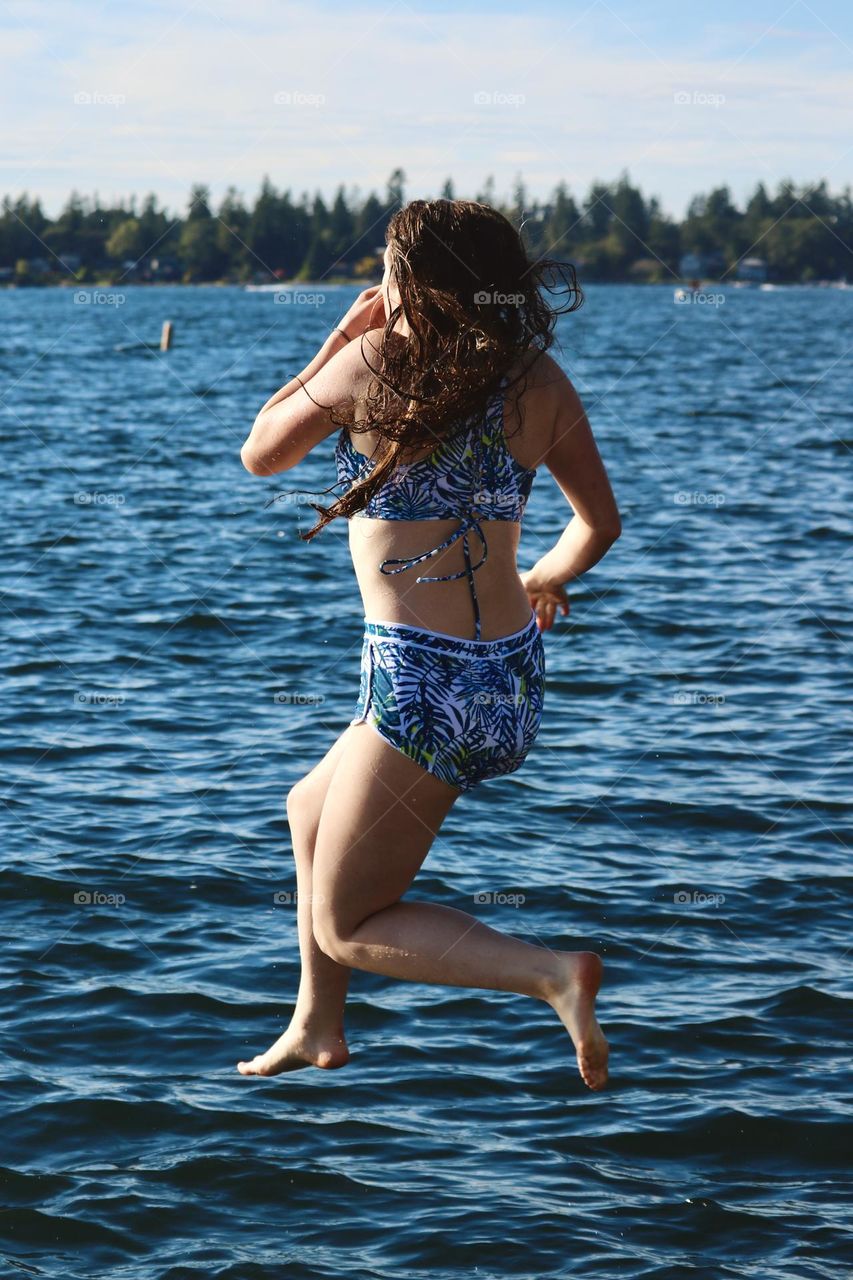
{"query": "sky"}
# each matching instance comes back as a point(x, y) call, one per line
point(118, 98)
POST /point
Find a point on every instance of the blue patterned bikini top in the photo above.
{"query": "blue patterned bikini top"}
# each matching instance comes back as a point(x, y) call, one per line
point(470, 475)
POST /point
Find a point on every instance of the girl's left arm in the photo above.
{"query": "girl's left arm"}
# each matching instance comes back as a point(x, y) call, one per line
point(290, 424)
point(278, 433)
point(332, 345)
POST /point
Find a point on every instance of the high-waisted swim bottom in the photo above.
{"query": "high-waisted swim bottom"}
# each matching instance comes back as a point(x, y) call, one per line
point(466, 710)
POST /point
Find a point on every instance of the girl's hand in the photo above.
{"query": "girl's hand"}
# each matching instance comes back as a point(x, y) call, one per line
point(545, 598)
point(367, 312)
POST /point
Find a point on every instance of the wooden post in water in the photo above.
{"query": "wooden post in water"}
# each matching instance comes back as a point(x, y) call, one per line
point(166, 335)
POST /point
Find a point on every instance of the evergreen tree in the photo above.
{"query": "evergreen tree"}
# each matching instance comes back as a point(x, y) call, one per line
point(263, 234)
point(396, 196)
point(518, 208)
point(596, 210)
point(342, 229)
point(231, 233)
point(198, 246)
point(630, 219)
point(663, 240)
point(487, 195)
point(158, 232)
point(318, 258)
point(561, 230)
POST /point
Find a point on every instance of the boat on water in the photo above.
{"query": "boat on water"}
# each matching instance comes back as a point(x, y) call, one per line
point(690, 289)
point(686, 292)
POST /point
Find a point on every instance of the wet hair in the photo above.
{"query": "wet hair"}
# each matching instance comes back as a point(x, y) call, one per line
point(474, 304)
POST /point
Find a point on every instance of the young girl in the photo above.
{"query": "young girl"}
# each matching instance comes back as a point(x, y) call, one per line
point(423, 364)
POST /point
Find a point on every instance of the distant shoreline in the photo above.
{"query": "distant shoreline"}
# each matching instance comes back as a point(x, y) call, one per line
point(181, 284)
point(799, 234)
point(337, 283)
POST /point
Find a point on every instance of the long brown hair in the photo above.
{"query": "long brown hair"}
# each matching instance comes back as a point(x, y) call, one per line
point(473, 303)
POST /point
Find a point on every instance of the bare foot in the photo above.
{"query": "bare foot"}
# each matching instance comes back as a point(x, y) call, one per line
point(297, 1049)
point(574, 1003)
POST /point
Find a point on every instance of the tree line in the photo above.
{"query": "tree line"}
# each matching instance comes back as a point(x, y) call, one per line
point(613, 233)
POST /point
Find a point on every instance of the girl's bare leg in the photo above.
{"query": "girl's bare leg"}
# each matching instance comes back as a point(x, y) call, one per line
point(315, 1036)
point(376, 828)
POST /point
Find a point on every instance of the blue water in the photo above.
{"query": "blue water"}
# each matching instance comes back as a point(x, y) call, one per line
point(685, 812)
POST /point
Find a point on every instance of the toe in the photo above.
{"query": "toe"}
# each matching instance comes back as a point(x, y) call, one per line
point(593, 1071)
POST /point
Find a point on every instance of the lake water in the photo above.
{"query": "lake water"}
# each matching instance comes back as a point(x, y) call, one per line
point(684, 812)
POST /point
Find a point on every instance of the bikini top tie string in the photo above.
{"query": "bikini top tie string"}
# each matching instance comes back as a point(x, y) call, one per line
point(406, 562)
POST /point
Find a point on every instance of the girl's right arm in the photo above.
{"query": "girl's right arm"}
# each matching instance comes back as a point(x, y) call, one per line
point(575, 463)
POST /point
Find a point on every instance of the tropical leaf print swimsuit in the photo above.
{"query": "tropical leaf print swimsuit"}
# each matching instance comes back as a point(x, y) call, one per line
point(465, 710)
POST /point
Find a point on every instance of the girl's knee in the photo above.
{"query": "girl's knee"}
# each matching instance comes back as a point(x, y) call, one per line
point(304, 804)
point(328, 936)
point(305, 799)
point(294, 802)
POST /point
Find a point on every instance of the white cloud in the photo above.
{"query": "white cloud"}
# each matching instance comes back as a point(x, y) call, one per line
point(198, 85)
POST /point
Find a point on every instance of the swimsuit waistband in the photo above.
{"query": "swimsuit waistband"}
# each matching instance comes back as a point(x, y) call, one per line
point(402, 633)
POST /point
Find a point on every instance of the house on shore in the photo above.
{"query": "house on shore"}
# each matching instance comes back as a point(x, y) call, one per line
point(698, 266)
point(752, 269)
